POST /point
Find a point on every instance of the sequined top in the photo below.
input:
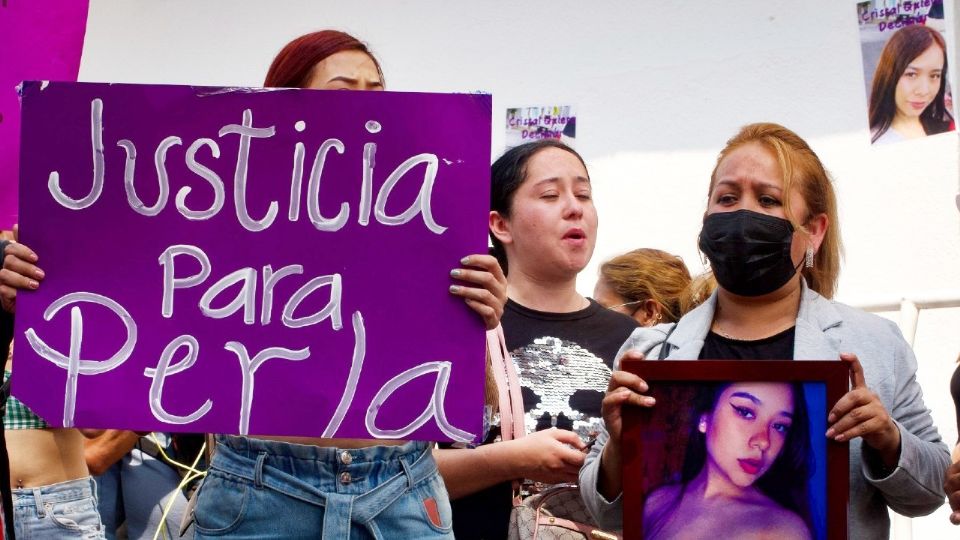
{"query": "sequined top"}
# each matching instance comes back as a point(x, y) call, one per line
point(563, 361)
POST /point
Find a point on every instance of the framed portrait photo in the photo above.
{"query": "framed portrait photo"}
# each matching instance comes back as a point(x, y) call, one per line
point(734, 449)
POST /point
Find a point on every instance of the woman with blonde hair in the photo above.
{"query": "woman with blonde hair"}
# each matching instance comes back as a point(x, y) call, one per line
point(650, 285)
point(772, 237)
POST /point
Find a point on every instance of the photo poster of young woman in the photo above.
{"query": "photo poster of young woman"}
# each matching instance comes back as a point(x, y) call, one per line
point(905, 68)
point(727, 450)
point(528, 124)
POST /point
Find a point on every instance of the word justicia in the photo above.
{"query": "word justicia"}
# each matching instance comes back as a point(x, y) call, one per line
point(246, 133)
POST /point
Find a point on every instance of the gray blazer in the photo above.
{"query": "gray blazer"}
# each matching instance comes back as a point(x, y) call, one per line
point(825, 329)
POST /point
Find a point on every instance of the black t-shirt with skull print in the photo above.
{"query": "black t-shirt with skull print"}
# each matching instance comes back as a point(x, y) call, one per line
point(563, 361)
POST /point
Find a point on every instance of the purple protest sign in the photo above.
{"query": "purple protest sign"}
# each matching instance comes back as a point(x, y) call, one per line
point(252, 261)
point(39, 39)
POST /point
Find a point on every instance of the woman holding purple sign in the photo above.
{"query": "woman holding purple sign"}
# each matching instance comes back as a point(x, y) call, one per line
point(52, 490)
point(289, 487)
point(771, 233)
point(300, 487)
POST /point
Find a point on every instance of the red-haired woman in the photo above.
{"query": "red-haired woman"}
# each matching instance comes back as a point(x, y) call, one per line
point(325, 60)
point(293, 487)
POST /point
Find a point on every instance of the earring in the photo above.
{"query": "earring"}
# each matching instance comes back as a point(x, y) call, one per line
point(659, 317)
point(808, 258)
point(702, 427)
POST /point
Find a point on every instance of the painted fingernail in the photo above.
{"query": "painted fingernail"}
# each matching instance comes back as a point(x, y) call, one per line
point(650, 401)
point(830, 433)
point(34, 284)
point(839, 438)
point(39, 274)
point(465, 260)
point(455, 272)
point(454, 289)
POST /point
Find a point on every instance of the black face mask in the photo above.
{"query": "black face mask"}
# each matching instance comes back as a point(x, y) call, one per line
point(748, 251)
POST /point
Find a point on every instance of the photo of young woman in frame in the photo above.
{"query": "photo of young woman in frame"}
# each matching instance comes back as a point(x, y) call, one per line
point(729, 456)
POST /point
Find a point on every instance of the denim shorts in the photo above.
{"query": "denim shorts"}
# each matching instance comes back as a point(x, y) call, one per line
point(64, 510)
point(135, 492)
point(267, 489)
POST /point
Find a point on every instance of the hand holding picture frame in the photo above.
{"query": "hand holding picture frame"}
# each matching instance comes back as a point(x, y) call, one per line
point(735, 446)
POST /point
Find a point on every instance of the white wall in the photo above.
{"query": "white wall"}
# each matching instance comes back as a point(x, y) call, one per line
point(659, 86)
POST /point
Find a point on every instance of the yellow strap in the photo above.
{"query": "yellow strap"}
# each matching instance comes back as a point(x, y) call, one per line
point(192, 475)
point(176, 463)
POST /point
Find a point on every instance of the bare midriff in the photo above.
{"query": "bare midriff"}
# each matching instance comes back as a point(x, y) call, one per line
point(40, 457)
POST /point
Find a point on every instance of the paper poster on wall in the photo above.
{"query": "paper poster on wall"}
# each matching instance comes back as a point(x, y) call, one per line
point(527, 124)
point(905, 63)
point(39, 39)
point(236, 260)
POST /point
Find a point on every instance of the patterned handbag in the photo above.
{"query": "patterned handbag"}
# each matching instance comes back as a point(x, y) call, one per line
point(557, 512)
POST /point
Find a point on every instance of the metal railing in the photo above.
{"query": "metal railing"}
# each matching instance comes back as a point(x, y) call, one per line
point(909, 306)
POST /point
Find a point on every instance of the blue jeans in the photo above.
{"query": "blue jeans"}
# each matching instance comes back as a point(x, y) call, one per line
point(135, 491)
point(64, 510)
point(266, 489)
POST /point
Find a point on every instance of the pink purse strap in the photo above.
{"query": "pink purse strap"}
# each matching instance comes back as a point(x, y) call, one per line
point(508, 386)
point(512, 424)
